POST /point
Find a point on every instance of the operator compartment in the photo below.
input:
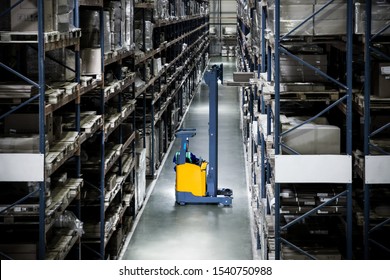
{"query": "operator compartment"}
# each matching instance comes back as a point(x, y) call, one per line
point(191, 178)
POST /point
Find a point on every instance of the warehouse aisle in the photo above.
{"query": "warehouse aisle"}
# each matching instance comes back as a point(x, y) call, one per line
point(200, 232)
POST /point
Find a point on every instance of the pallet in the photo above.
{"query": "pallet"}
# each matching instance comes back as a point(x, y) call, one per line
point(53, 96)
point(68, 87)
point(73, 34)
point(27, 37)
point(32, 37)
point(376, 103)
point(60, 249)
point(307, 39)
point(307, 96)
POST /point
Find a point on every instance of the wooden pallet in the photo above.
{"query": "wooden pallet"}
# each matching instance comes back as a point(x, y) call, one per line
point(307, 96)
point(376, 103)
point(73, 34)
point(28, 37)
point(32, 37)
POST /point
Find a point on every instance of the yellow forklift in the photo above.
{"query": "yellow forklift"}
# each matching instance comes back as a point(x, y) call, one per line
point(197, 182)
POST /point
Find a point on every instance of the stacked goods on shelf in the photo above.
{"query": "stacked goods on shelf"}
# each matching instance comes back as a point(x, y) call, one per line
point(380, 17)
point(291, 15)
point(170, 47)
point(317, 137)
point(34, 204)
point(92, 122)
point(331, 20)
point(64, 19)
point(294, 71)
point(310, 127)
point(58, 16)
point(24, 17)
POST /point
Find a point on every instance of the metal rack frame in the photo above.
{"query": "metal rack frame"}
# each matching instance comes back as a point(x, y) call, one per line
point(39, 162)
point(276, 122)
point(369, 48)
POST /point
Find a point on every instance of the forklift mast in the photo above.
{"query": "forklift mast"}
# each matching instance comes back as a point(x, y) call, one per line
point(211, 78)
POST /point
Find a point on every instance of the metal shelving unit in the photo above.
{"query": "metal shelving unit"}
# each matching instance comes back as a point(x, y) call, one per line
point(110, 177)
point(335, 163)
point(39, 211)
point(276, 167)
point(376, 158)
point(170, 87)
point(102, 117)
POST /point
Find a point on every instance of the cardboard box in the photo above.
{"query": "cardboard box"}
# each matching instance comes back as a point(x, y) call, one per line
point(243, 76)
point(65, 22)
point(91, 61)
point(24, 17)
point(380, 16)
point(157, 66)
point(290, 17)
point(331, 20)
point(27, 124)
point(293, 71)
point(312, 138)
point(381, 79)
point(140, 177)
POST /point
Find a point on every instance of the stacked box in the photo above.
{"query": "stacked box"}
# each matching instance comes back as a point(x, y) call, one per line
point(290, 17)
point(27, 124)
point(129, 26)
point(293, 71)
point(148, 35)
point(229, 30)
point(317, 137)
point(107, 32)
point(116, 24)
point(381, 79)
point(91, 61)
point(140, 176)
point(380, 17)
point(180, 12)
point(90, 26)
point(54, 71)
point(331, 20)
point(161, 9)
point(65, 15)
point(24, 17)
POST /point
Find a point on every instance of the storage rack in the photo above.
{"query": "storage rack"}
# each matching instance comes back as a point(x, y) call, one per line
point(53, 194)
point(108, 205)
point(222, 28)
point(106, 117)
point(247, 25)
point(373, 169)
point(273, 223)
point(183, 48)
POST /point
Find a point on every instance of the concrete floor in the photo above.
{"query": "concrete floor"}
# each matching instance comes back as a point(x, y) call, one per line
point(200, 232)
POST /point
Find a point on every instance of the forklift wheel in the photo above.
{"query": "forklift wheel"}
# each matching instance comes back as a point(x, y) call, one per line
point(225, 192)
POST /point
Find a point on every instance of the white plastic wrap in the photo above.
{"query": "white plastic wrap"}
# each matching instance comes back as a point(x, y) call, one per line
point(148, 35)
point(129, 26)
point(69, 220)
point(331, 20)
point(90, 26)
point(116, 24)
point(380, 17)
point(107, 32)
point(161, 9)
point(290, 17)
